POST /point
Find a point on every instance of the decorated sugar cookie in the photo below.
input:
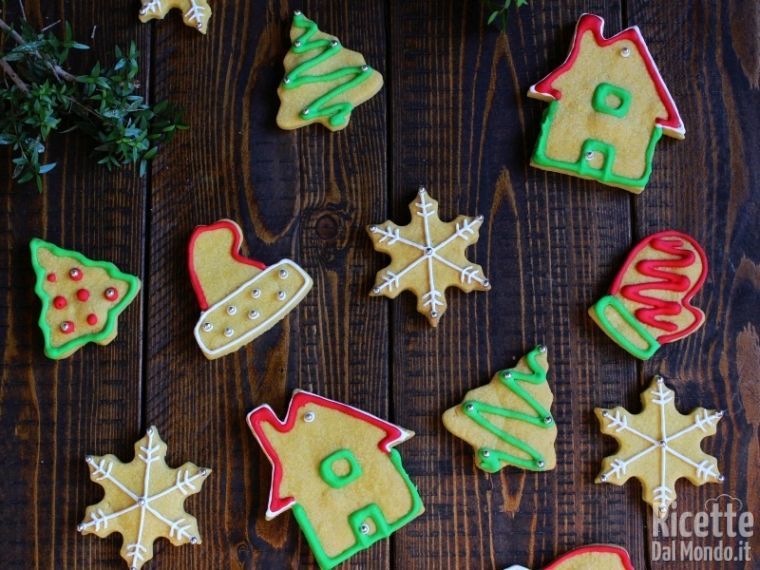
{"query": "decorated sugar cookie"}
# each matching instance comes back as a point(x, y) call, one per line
point(593, 557)
point(323, 80)
point(608, 108)
point(650, 300)
point(337, 469)
point(81, 298)
point(659, 446)
point(507, 421)
point(195, 13)
point(144, 500)
point(427, 257)
point(241, 298)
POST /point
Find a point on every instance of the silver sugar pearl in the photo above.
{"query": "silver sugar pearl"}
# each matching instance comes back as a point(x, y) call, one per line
point(486, 453)
point(421, 190)
point(282, 295)
point(541, 464)
point(541, 348)
point(306, 111)
point(548, 420)
point(231, 310)
point(364, 528)
point(283, 273)
point(625, 52)
point(365, 68)
point(590, 155)
point(256, 293)
point(469, 407)
point(193, 540)
point(207, 327)
point(297, 43)
point(228, 332)
point(253, 315)
point(659, 379)
point(309, 417)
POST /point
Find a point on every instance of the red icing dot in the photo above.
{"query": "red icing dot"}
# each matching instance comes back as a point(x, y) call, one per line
point(83, 295)
point(51, 277)
point(60, 302)
point(76, 274)
point(67, 327)
point(92, 319)
point(111, 294)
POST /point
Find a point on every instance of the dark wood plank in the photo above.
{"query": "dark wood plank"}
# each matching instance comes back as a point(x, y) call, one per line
point(462, 125)
point(53, 413)
point(306, 195)
point(707, 186)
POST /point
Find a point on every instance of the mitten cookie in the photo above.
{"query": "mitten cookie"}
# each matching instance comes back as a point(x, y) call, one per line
point(650, 300)
point(659, 446)
point(81, 298)
point(508, 422)
point(608, 107)
point(144, 500)
point(195, 13)
point(427, 257)
point(241, 298)
point(323, 80)
point(337, 469)
point(592, 557)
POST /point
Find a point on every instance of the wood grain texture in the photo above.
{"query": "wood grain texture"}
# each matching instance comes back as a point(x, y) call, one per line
point(715, 171)
point(462, 125)
point(454, 117)
point(305, 195)
point(54, 413)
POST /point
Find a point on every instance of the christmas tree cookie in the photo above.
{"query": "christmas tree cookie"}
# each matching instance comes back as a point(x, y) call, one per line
point(195, 13)
point(81, 298)
point(323, 80)
point(659, 446)
point(427, 257)
point(144, 500)
point(507, 421)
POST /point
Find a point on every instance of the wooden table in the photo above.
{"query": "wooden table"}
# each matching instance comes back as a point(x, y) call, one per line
point(453, 115)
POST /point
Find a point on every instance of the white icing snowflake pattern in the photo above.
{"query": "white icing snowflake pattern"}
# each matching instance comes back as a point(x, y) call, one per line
point(144, 500)
point(428, 256)
point(196, 14)
point(659, 446)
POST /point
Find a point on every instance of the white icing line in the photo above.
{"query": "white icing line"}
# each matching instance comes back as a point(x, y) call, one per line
point(286, 308)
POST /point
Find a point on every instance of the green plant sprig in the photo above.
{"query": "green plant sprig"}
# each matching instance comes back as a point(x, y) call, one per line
point(38, 97)
point(500, 9)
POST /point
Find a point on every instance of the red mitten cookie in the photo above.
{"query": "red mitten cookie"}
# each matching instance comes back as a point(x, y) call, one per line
point(593, 557)
point(241, 298)
point(81, 298)
point(650, 300)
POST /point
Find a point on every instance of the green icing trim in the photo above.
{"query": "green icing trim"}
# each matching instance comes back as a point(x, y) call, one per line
point(611, 302)
point(356, 519)
point(490, 459)
point(603, 91)
point(329, 475)
point(297, 77)
point(56, 352)
point(582, 167)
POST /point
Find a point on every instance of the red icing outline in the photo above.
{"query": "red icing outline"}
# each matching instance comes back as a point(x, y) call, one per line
point(654, 307)
point(234, 252)
point(622, 553)
point(300, 398)
point(595, 25)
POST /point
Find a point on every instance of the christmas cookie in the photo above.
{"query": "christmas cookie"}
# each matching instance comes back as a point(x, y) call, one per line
point(337, 469)
point(659, 446)
point(81, 298)
point(608, 107)
point(507, 421)
point(323, 80)
point(144, 500)
point(650, 299)
point(593, 557)
point(195, 13)
point(427, 257)
point(241, 298)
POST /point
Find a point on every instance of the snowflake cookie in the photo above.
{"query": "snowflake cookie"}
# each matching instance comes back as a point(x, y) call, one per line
point(659, 446)
point(144, 500)
point(427, 257)
point(81, 298)
point(195, 13)
point(507, 421)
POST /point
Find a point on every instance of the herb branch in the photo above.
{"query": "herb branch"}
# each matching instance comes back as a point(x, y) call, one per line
point(500, 8)
point(38, 97)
